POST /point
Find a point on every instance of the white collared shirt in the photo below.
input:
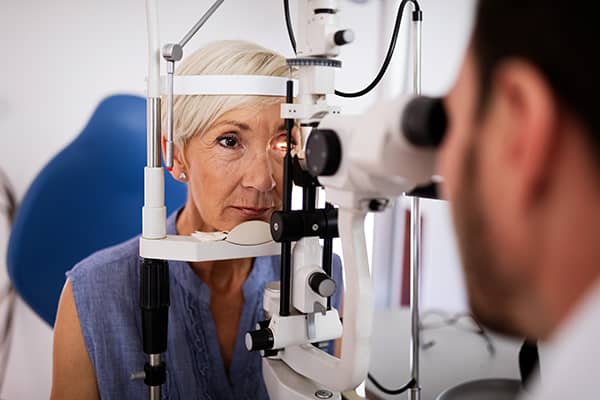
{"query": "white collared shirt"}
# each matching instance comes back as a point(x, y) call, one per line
point(570, 367)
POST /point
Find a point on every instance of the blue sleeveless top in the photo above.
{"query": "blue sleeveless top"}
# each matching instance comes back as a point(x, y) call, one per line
point(106, 291)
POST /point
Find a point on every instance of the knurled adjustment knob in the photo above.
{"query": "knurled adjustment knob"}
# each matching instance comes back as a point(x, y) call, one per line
point(323, 152)
point(261, 339)
point(322, 284)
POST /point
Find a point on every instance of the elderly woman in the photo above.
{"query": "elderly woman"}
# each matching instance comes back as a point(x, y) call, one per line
point(229, 151)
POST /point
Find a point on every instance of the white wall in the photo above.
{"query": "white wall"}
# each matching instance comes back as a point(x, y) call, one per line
point(446, 27)
point(61, 57)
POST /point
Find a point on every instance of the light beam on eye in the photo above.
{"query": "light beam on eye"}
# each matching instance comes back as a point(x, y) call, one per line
point(281, 146)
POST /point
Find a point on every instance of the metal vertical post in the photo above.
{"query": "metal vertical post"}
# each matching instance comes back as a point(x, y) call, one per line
point(415, 234)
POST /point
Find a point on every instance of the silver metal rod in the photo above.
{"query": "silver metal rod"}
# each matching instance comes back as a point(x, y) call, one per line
point(415, 262)
point(137, 375)
point(154, 390)
point(153, 133)
point(154, 360)
point(201, 22)
point(169, 144)
point(415, 243)
point(417, 29)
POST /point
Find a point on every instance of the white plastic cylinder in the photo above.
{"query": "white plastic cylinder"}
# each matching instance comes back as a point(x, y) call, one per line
point(154, 212)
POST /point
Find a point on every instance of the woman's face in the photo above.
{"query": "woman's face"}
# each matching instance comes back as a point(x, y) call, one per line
point(235, 169)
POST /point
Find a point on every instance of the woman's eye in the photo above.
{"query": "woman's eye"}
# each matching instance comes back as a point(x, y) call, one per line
point(230, 142)
point(281, 143)
point(281, 146)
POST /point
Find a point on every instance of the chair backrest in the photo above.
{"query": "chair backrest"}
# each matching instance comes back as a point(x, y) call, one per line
point(89, 196)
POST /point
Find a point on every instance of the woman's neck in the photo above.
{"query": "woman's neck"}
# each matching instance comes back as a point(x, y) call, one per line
point(224, 275)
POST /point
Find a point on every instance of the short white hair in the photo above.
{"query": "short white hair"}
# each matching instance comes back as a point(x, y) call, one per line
point(195, 114)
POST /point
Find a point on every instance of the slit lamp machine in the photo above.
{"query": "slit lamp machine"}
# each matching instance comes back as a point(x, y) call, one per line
point(361, 162)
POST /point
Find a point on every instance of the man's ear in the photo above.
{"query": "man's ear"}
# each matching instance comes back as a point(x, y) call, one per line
point(179, 171)
point(533, 137)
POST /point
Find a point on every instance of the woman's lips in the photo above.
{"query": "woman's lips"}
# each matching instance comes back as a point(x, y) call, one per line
point(253, 212)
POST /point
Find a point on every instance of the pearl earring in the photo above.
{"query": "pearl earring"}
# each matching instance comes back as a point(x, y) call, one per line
point(182, 176)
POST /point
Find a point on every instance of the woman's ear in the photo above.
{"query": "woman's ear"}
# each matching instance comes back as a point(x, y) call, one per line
point(178, 171)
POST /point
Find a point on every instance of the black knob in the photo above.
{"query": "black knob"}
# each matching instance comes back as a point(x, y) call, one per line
point(261, 339)
point(291, 226)
point(155, 375)
point(424, 121)
point(323, 152)
point(286, 226)
point(343, 37)
point(322, 284)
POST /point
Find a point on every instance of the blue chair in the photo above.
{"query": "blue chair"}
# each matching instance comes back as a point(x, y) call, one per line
point(87, 197)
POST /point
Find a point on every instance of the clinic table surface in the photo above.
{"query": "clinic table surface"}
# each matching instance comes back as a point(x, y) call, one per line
point(458, 355)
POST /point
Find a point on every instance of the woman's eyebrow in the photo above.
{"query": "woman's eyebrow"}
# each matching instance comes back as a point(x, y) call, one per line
point(240, 125)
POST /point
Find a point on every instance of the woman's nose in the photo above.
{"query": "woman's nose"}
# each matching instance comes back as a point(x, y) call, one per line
point(259, 174)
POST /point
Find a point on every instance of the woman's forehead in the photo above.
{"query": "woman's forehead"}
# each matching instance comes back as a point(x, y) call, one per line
point(249, 116)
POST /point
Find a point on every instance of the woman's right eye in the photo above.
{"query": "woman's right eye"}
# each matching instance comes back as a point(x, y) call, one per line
point(229, 141)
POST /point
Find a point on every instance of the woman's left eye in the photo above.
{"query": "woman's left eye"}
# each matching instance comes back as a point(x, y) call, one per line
point(280, 143)
point(230, 142)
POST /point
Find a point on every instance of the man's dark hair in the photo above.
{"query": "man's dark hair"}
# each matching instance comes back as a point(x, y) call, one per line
point(557, 37)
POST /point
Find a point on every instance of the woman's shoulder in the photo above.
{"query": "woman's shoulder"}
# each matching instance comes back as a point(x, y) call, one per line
point(107, 278)
point(112, 263)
